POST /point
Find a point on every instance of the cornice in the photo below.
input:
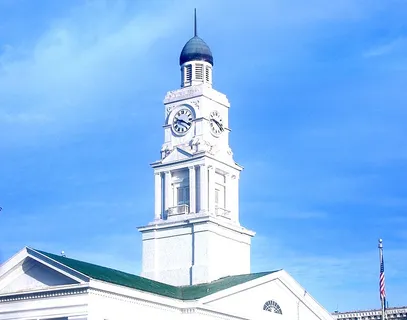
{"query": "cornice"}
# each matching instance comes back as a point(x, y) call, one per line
point(241, 287)
point(195, 219)
point(44, 293)
point(57, 266)
point(283, 279)
point(211, 312)
point(303, 295)
point(178, 163)
point(198, 158)
point(133, 300)
point(194, 92)
point(184, 307)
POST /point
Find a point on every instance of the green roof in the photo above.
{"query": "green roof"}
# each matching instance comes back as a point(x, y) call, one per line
point(136, 282)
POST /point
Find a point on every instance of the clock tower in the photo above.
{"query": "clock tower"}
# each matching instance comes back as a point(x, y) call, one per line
point(195, 236)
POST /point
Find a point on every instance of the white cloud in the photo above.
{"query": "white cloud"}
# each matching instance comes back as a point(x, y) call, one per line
point(398, 44)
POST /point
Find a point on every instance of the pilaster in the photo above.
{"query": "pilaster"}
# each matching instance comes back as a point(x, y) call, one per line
point(192, 189)
point(203, 175)
point(168, 190)
point(211, 188)
point(234, 194)
point(158, 196)
point(228, 195)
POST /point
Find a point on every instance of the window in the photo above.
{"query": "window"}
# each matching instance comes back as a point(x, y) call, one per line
point(272, 306)
point(217, 196)
point(182, 195)
point(199, 71)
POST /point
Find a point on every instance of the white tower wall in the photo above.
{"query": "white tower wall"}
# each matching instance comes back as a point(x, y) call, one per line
point(196, 236)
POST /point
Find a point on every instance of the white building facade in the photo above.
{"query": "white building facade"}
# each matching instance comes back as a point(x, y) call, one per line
point(196, 255)
point(399, 313)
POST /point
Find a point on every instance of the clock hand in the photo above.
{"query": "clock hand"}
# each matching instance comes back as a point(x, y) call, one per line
point(219, 124)
point(187, 123)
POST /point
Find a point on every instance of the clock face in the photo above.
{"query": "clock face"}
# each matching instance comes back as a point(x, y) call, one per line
point(216, 123)
point(182, 121)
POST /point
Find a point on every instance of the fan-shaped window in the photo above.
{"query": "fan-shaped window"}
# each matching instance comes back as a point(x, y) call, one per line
point(272, 306)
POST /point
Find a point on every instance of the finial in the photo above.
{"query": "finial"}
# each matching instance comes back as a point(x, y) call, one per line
point(380, 243)
point(195, 30)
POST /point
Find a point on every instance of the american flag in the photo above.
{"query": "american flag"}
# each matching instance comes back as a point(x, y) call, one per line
point(381, 282)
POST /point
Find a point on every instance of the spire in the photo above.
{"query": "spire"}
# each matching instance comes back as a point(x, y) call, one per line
point(195, 49)
point(195, 30)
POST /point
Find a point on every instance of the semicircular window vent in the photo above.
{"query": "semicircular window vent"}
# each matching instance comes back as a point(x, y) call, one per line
point(272, 306)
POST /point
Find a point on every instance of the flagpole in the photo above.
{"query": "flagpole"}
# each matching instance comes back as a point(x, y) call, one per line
point(382, 296)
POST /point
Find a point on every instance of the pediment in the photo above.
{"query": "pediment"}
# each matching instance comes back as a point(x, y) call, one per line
point(259, 297)
point(178, 154)
point(32, 275)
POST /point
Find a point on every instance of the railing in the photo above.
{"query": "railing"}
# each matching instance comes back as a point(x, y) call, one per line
point(221, 212)
point(178, 210)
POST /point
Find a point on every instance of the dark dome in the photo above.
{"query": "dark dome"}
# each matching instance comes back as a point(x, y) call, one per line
point(196, 49)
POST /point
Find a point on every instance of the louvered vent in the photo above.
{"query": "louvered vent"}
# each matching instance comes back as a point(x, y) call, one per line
point(188, 73)
point(208, 74)
point(199, 71)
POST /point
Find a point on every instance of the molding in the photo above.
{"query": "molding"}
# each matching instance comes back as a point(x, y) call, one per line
point(45, 293)
point(196, 91)
point(283, 278)
point(134, 295)
point(304, 297)
point(178, 164)
point(196, 159)
point(133, 300)
point(12, 263)
point(183, 94)
point(198, 219)
point(212, 312)
point(241, 287)
point(57, 266)
point(17, 260)
point(243, 239)
point(16, 271)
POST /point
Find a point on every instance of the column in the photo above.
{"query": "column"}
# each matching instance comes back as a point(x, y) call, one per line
point(203, 188)
point(211, 188)
point(158, 196)
point(168, 190)
point(192, 190)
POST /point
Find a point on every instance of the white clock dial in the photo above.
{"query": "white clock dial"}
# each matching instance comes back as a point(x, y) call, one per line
point(182, 121)
point(216, 123)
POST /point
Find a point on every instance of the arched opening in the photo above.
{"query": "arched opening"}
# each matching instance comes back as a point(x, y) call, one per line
point(272, 306)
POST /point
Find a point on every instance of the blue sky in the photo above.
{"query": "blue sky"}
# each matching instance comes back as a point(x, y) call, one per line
point(318, 117)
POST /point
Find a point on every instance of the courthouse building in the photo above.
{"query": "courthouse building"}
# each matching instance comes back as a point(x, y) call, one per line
point(196, 254)
point(399, 313)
